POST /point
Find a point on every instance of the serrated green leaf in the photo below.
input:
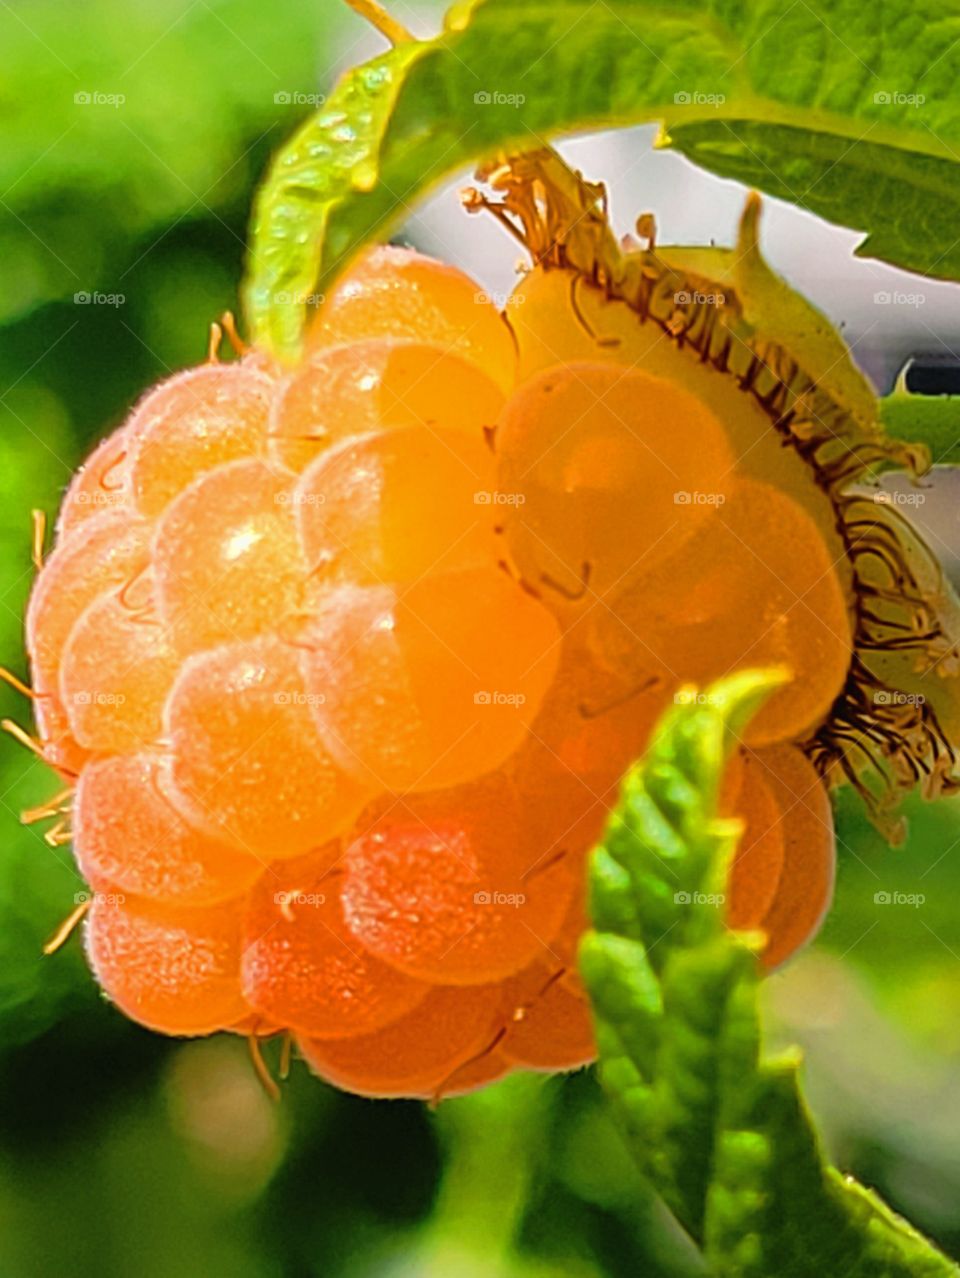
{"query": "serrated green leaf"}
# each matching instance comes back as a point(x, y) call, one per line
point(825, 89)
point(722, 1134)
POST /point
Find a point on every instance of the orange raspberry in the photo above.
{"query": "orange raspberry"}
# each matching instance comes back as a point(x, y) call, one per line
point(345, 663)
point(117, 668)
point(192, 424)
point(129, 836)
point(781, 881)
point(450, 888)
point(385, 383)
point(395, 506)
point(429, 685)
point(226, 554)
point(172, 968)
point(415, 1055)
point(397, 292)
point(303, 968)
point(247, 762)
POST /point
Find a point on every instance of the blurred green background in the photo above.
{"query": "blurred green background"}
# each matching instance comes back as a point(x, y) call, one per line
point(125, 1153)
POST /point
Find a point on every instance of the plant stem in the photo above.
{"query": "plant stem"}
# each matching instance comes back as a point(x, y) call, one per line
point(388, 26)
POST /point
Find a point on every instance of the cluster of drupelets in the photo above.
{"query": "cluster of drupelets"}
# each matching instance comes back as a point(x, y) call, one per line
point(343, 664)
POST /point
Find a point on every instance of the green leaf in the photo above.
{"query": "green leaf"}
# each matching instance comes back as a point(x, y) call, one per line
point(907, 201)
point(933, 420)
point(814, 102)
point(331, 160)
point(722, 1133)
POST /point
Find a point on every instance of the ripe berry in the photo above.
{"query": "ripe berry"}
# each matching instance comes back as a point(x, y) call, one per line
point(117, 668)
point(348, 660)
point(781, 881)
point(452, 888)
point(192, 424)
point(172, 968)
point(396, 292)
point(227, 558)
point(430, 684)
point(398, 505)
point(595, 457)
point(303, 968)
point(247, 762)
point(418, 1053)
point(344, 391)
point(129, 836)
